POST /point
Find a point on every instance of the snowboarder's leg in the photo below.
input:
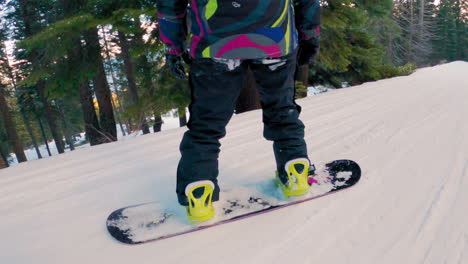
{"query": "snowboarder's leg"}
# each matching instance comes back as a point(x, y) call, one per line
point(215, 88)
point(275, 80)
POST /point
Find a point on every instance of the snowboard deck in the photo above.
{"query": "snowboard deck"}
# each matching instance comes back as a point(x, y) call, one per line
point(151, 222)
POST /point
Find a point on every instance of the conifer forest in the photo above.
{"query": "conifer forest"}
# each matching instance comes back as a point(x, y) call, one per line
point(69, 67)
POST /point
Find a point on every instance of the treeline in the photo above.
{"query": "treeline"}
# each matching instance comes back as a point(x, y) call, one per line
point(97, 66)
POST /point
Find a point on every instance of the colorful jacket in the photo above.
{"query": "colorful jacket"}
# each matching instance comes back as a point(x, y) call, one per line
point(237, 29)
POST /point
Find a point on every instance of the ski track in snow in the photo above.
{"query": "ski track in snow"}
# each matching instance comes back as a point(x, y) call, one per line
point(409, 134)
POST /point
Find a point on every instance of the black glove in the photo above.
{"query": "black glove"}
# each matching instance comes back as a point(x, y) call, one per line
point(177, 62)
point(308, 50)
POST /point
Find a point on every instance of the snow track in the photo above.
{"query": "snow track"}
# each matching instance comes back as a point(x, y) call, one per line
point(409, 134)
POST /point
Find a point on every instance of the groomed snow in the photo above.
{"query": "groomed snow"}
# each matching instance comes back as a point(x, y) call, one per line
point(409, 134)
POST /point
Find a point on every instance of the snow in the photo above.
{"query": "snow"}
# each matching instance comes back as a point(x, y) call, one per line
point(314, 90)
point(170, 121)
point(409, 134)
point(141, 221)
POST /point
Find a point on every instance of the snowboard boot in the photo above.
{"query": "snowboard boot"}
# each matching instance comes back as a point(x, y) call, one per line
point(294, 179)
point(200, 199)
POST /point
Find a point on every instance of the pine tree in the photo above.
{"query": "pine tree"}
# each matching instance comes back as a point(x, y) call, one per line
point(29, 17)
point(349, 51)
point(451, 42)
point(417, 25)
point(111, 69)
point(10, 125)
point(5, 112)
point(10, 74)
point(101, 85)
point(128, 33)
point(130, 73)
point(380, 24)
point(74, 59)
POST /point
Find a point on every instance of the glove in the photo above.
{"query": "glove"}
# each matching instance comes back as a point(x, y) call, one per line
point(308, 50)
point(177, 64)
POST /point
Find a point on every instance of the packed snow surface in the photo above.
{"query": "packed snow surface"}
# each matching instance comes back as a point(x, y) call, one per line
point(409, 134)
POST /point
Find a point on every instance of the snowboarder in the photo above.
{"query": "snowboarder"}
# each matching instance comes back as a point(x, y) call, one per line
point(271, 37)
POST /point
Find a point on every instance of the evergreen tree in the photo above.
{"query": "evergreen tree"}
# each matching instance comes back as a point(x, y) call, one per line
point(416, 21)
point(10, 126)
point(349, 51)
point(6, 116)
point(28, 18)
point(101, 85)
point(380, 24)
point(128, 33)
point(11, 75)
point(74, 65)
point(111, 68)
point(451, 42)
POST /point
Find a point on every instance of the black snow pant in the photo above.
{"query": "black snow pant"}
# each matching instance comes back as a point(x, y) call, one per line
point(215, 85)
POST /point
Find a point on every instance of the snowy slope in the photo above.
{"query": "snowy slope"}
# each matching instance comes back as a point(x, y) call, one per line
point(410, 135)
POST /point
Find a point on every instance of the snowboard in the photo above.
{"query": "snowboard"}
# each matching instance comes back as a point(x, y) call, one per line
point(151, 222)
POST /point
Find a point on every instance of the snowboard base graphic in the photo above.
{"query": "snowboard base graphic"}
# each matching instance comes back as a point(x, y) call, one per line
point(151, 222)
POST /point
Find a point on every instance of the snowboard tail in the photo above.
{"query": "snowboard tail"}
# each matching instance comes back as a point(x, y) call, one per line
point(151, 222)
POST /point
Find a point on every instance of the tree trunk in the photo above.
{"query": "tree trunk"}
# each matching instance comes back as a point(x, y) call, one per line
point(129, 126)
point(31, 134)
point(24, 116)
point(422, 14)
point(51, 119)
point(249, 98)
point(119, 119)
point(410, 56)
point(142, 61)
point(44, 136)
point(119, 109)
point(461, 29)
point(157, 122)
point(3, 160)
point(101, 87)
point(144, 125)
point(390, 54)
point(182, 117)
point(183, 121)
point(129, 68)
point(130, 73)
point(66, 128)
point(27, 17)
point(13, 137)
point(302, 76)
point(92, 126)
